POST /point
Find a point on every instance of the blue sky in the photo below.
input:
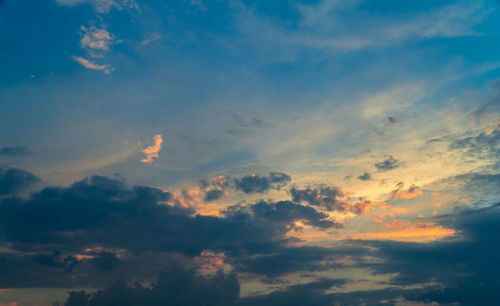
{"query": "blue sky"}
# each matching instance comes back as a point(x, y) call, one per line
point(380, 117)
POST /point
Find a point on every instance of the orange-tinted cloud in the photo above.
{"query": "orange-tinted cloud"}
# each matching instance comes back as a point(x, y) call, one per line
point(187, 198)
point(91, 65)
point(400, 193)
point(152, 151)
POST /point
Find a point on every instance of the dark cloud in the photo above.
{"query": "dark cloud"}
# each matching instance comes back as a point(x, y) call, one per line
point(175, 286)
point(322, 196)
point(253, 184)
point(18, 151)
point(178, 286)
point(57, 269)
point(14, 180)
point(365, 177)
point(261, 184)
point(102, 214)
point(213, 194)
point(307, 294)
point(293, 259)
point(105, 261)
point(287, 212)
point(217, 186)
point(388, 164)
point(330, 198)
point(465, 268)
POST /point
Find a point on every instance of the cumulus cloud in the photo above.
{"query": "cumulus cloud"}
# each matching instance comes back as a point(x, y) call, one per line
point(91, 65)
point(102, 230)
point(99, 225)
point(152, 151)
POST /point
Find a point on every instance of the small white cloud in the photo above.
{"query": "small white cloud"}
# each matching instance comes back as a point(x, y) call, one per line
point(96, 39)
point(91, 65)
point(152, 151)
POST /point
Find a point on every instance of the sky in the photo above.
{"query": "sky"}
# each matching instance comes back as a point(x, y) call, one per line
point(196, 152)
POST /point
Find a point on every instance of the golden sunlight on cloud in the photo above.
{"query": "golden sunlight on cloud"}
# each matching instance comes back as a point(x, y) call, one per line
point(405, 231)
point(152, 151)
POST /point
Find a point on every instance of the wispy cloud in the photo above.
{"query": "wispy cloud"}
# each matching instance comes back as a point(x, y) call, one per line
point(332, 25)
point(152, 151)
point(103, 6)
point(91, 65)
point(153, 37)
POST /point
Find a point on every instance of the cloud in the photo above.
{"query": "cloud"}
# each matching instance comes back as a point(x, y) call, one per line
point(102, 6)
point(388, 164)
point(14, 180)
point(96, 39)
point(102, 229)
point(313, 293)
point(484, 145)
point(217, 186)
point(328, 25)
point(91, 65)
point(152, 151)
point(332, 199)
point(466, 268)
point(175, 286)
point(179, 286)
point(287, 212)
point(17, 151)
point(365, 177)
point(408, 231)
point(152, 38)
point(259, 184)
point(399, 193)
